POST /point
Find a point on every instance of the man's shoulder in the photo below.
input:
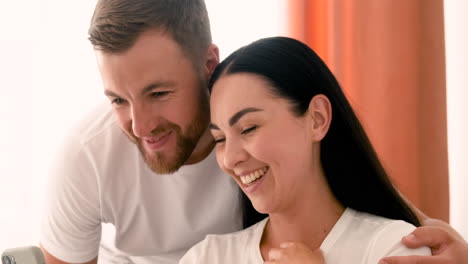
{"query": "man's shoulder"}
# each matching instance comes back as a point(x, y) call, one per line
point(97, 122)
point(96, 136)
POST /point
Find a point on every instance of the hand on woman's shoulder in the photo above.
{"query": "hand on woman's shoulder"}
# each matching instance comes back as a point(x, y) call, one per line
point(447, 245)
point(388, 241)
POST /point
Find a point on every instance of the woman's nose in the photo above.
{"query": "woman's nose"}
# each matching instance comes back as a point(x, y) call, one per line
point(234, 154)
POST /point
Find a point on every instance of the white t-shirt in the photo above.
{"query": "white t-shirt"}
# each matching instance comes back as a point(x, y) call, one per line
point(357, 237)
point(100, 182)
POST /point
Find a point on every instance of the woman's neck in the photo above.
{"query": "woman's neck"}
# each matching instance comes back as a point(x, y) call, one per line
point(308, 220)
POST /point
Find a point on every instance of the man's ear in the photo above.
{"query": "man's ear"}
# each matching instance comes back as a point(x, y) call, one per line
point(320, 116)
point(211, 61)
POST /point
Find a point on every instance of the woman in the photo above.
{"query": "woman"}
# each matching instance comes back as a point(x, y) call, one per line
point(286, 133)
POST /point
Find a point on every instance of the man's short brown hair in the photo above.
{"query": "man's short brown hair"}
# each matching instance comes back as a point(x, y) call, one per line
point(116, 24)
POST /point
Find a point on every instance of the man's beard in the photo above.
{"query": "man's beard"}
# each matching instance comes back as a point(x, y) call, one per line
point(171, 161)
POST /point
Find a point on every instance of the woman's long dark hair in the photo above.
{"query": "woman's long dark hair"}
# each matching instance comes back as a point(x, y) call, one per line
point(352, 169)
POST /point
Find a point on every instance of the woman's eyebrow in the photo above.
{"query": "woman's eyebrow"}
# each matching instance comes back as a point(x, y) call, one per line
point(237, 116)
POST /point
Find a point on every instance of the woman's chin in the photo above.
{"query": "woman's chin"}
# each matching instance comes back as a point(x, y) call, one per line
point(261, 206)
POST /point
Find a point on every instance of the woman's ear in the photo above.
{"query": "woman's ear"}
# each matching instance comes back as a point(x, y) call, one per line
point(320, 116)
point(212, 60)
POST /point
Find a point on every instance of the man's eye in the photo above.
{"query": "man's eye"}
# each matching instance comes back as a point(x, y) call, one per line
point(248, 130)
point(159, 94)
point(117, 101)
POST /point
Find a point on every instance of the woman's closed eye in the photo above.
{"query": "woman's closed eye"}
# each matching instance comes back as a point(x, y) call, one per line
point(222, 139)
point(248, 130)
point(219, 140)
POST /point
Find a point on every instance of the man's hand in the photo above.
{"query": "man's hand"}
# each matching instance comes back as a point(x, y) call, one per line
point(294, 253)
point(448, 247)
point(50, 259)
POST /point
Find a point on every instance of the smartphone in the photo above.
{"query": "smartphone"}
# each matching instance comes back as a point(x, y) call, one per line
point(23, 255)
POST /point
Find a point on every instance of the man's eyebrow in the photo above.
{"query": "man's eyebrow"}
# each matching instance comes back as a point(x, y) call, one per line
point(145, 90)
point(110, 93)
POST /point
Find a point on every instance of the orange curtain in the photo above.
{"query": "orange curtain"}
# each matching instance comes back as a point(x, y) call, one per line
point(390, 60)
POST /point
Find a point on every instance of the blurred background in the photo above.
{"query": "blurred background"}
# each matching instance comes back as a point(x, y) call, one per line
point(402, 64)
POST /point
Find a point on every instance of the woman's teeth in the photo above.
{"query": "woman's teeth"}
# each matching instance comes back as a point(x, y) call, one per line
point(248, 179)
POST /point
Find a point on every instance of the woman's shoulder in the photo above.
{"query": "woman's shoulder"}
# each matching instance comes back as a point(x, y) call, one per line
point(377, 223)
point(379, 226)
point(231, 247)
point(385, 236)
point(366, 238)
point(353, 221)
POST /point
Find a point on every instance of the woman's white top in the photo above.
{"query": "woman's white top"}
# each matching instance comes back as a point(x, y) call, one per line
point(355, 238)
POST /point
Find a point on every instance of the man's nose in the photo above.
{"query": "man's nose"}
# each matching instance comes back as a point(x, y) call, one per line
point(143, 121)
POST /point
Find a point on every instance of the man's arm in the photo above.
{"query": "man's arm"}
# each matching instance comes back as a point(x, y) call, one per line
point(49, 259)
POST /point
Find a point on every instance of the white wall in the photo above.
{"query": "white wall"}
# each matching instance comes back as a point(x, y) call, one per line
point(48, 79)
point(456, 41)
point(237, 23)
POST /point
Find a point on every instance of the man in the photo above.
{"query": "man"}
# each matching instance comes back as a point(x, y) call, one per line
point(142, 163)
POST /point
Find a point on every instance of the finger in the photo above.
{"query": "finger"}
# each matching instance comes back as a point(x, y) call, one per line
point(274, 254)
point(443, 225)
point(434, 222)
point(287, 244)
point(426, 236)
point(318, 256)
point(318, 252)
point(411, 260)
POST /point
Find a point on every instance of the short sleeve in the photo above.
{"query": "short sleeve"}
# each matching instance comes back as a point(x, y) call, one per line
point(193, 254)
point(71, 222)
point(387, 242)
